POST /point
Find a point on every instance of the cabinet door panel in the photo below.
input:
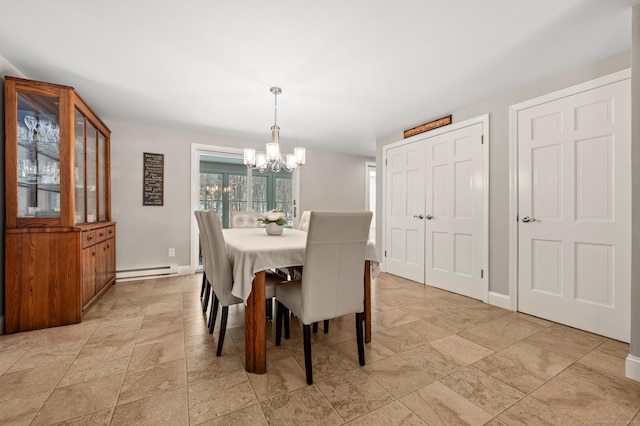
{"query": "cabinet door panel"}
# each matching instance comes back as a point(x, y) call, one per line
point(88, 274)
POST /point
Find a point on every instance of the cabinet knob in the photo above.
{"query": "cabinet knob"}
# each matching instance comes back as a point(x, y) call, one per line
point(93, 253)
point(90, 237)
point(101, 234)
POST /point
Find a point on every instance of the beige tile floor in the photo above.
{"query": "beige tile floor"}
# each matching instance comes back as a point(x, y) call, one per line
point(143, 356)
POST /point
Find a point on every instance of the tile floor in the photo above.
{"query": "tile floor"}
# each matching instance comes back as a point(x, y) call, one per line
point(143, 356)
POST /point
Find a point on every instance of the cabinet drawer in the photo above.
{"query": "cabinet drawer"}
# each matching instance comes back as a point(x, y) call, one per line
point(110, 232)
point(101, 234)
point(88, 238)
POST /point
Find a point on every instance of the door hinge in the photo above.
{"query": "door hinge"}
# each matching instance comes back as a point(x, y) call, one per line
point(481, 273)
point(385, 253)
point(482, 139)
point(385, 161)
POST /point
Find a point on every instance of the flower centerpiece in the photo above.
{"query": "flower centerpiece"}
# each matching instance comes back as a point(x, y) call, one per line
point(274, 220)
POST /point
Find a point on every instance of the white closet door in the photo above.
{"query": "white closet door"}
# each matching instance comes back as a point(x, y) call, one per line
point(455, 211)
point(405, 211)
point(574, 210)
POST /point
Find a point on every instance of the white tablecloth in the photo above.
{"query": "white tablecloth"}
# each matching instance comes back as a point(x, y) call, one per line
point(251, 250)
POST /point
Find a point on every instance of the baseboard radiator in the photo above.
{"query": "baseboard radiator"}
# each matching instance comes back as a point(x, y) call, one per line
point(147, 272)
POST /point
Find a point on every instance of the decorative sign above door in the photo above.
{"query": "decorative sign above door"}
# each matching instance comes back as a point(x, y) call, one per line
point(434, 124)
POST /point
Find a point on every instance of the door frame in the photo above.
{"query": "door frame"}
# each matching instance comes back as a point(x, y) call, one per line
point(513, 164)
point(484, 120)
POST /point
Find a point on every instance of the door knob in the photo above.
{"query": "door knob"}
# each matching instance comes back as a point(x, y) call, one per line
point(429, 217)
point(418, 216)
point(528, 219)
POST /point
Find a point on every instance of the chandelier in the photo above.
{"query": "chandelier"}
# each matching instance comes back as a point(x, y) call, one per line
point(272, 159)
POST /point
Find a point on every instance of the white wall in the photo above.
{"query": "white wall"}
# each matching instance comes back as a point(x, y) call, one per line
point(144, 233)
point(333, 182)
point(498, 109)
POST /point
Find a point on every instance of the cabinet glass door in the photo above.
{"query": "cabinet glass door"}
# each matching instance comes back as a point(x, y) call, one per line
point(38, 156)
point(102, 176)
point(78, 168)
point(92, 175)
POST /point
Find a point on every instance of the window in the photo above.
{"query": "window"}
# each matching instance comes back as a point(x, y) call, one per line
point(208, 188)
point(224, 184)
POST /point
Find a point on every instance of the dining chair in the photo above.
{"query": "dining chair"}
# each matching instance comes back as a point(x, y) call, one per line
point(331, 282)
point(220, 275)
point(205, 291)
point(303, 225)
point(245, 219)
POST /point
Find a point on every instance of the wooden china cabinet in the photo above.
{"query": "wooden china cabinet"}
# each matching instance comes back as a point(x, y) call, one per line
point(59, 238)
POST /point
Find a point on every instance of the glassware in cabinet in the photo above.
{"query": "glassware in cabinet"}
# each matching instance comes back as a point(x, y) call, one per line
point(38, 155)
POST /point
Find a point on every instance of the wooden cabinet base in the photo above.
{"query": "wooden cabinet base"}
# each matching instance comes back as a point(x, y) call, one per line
point(41, 276)
point(97, 296)
point(50, 279)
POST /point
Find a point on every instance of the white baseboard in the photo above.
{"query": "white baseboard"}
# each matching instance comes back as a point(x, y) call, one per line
point(184, 270)
point(500, 300)
point(632, 367)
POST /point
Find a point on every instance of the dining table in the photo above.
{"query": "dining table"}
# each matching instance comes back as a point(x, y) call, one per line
point(252, 252)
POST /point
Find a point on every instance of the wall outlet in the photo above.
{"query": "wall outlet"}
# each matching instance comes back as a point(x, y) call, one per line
point(172, 252)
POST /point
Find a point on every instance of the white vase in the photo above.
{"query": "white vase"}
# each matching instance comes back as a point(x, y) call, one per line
point(273, 228)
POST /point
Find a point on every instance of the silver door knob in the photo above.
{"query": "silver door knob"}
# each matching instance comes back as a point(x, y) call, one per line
point(429, 217)
point(528, 219)
point(418, 216)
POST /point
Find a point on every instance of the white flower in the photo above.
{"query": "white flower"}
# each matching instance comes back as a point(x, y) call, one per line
point(274, 216)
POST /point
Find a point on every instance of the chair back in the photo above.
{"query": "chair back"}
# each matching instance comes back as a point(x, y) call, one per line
point(204, 241)
point(245, 219)
point(333, 274)
point(303, 225)
point(221, 275)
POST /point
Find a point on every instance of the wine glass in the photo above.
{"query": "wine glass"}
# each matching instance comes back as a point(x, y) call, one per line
point(45, 126)
point(31, 122)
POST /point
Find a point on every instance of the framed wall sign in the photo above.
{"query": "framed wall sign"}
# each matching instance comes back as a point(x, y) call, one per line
point(153, 179)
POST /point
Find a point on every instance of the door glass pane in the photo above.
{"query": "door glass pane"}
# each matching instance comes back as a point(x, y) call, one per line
point(102, 177)
point(260, 197)
point(92, 175)
point(38, 156)
point(211, 190)
point(284, 197)
point(237, 191)
point(78, 168)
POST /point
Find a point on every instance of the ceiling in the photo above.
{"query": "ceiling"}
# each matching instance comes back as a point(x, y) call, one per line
point(351, 71)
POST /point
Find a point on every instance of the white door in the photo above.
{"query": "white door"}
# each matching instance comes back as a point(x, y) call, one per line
point(405, 211)
point(455, 212)
point(574, 229)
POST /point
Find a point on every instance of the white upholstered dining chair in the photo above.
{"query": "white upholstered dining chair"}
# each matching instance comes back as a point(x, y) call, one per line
point(205, 291)
point(332, 279)
point(303, 225)
point(219, 273)
point(244, 219)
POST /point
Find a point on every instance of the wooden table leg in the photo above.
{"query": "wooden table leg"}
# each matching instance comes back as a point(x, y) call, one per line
point(367, 301)
point(255, 327)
